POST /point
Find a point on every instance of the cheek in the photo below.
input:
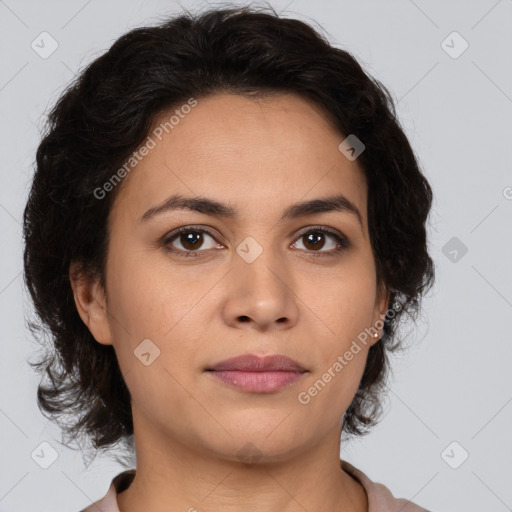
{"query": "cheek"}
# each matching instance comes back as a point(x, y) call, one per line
point(344, 306)
point(151, 303)
point(147, 299)
point(344, 301)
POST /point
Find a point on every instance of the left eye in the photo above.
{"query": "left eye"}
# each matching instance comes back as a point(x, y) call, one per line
point(315, 240)
point(193, 240)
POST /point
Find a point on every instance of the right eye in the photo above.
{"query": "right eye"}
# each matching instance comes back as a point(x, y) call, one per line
point(191, 240)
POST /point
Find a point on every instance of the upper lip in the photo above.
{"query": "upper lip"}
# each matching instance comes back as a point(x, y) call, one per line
point(255, 363)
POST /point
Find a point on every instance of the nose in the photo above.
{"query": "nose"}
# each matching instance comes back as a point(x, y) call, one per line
point(260, 294)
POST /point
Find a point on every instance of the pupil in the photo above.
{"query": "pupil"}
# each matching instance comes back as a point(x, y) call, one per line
point(191, 240)
point(313, 236)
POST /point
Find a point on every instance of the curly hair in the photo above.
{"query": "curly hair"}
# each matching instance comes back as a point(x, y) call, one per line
point(106, 113)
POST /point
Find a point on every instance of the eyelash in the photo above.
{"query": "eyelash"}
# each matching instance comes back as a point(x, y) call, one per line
point(342, 242)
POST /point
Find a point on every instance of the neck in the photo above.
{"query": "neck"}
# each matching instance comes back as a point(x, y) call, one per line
point(174, 476)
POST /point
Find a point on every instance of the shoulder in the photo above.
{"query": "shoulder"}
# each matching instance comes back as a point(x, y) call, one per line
point(380, 498)
point(109, 502)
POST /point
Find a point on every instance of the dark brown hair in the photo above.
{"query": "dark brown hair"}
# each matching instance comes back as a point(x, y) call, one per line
point(107, 113)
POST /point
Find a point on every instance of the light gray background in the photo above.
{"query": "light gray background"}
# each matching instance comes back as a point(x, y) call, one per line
point(455, 383)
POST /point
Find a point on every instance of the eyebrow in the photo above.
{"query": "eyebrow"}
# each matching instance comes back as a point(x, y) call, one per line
point(337, 203)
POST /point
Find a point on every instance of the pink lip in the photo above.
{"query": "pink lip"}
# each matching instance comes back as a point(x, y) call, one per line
point(254, 363)
point(257, 382)
point(257, 374)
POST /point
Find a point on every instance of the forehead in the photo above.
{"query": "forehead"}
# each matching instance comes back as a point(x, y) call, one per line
point(254, 153)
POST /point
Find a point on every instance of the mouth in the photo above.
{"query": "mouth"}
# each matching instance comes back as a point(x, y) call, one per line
point(255, 374)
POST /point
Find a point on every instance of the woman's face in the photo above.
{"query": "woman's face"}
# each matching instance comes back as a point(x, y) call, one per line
point(252, 282)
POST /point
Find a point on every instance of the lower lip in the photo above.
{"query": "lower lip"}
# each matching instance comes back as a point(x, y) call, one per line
point(257, 382)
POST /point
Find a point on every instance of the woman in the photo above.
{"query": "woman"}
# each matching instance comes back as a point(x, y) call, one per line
point(225, 226)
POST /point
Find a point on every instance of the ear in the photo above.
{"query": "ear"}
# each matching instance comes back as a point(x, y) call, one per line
point(91, 304)
point(381, 308)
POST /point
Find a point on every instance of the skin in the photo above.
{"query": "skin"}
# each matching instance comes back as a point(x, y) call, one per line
point(258, 156)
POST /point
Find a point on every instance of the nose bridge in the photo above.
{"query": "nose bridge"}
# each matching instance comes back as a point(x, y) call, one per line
point(261, 285)
point(260, 267)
